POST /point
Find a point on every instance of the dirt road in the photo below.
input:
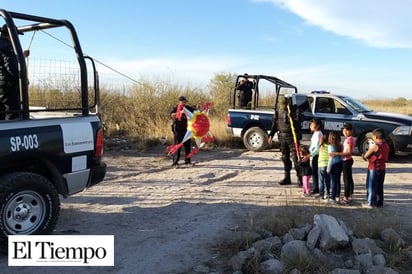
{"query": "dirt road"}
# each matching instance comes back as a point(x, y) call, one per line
point(173, 220)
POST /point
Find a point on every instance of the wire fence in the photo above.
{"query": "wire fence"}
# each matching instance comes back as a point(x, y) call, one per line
point(47, 74)
point(64, 75)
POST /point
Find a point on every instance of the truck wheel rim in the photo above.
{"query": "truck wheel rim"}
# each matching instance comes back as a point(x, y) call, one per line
point(255, 140)
point(367, 144)
point(24, 212)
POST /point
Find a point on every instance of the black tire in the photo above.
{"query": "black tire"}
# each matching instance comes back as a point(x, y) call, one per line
point(255, 139)
point(365, 143)
point(29, 204)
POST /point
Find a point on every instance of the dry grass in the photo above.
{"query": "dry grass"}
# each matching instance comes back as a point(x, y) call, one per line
point(305, 264)
point(141, 111)
point(152, 122)
point(397, 105)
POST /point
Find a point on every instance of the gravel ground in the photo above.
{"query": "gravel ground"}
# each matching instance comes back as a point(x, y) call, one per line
point(173, 220)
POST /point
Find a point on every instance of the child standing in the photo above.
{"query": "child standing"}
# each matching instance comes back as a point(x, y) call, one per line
point(304, 169)
point(324, 179)
point(378, 155)
point(347, 163)
point(334, 165)
point(315, 127)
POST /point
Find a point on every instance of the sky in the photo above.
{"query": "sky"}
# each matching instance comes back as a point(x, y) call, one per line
point(360, 48)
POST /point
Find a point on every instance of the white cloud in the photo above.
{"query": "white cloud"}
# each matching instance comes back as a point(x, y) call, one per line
point(378, 23)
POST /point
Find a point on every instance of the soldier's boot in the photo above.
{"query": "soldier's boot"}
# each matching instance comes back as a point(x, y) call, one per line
point(300, 183)
point(286, 180)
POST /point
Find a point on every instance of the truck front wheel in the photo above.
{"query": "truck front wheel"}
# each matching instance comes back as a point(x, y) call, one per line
point(255, 139)
point(365, 143)
point(29, 204)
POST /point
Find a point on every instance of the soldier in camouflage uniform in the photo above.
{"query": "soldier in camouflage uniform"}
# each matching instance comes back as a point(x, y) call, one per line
point(281, 124)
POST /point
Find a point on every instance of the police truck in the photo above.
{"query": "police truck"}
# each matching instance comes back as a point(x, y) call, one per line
point(54, 150)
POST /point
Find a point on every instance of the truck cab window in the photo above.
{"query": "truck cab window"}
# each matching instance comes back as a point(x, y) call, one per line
point(324, 105)
point(341, 109)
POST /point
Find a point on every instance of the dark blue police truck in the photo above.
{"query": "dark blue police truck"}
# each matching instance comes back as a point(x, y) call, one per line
point(253, 124)
point(47, 151)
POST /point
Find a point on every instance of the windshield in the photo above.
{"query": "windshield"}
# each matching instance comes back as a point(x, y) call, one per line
point(355, 105)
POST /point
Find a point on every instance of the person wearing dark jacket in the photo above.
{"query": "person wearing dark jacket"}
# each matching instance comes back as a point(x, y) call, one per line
point(245, 92)
point(9, 78)
point(281, 124)
point(179, 128)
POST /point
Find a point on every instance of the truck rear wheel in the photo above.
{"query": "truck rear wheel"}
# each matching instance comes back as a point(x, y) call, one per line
point(29, 204)
point(255, 139)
